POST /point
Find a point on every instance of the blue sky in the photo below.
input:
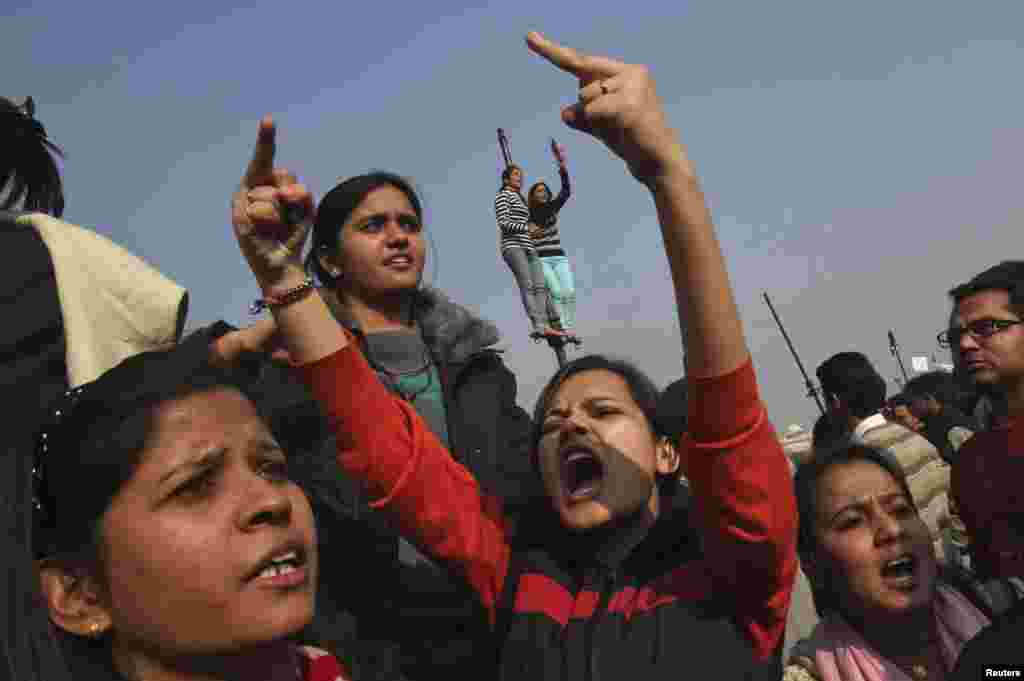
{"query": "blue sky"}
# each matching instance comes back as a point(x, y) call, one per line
point(860, 158)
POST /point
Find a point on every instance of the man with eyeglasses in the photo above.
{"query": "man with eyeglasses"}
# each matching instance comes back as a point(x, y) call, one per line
point(986, 338)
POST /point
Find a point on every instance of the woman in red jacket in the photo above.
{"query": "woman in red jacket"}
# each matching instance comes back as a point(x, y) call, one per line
point(598, 588)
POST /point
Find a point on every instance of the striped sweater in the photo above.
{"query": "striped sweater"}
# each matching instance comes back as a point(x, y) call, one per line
point(513, 217)
point(546, 216)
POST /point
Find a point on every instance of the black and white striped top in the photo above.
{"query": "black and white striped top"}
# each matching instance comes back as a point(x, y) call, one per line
point(546, 217)
point(513, 216)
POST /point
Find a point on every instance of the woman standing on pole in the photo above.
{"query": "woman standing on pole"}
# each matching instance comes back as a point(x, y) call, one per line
point(557, 271)
point(519, 252)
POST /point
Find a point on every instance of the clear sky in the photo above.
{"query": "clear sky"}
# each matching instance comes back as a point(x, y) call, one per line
point(860, 158)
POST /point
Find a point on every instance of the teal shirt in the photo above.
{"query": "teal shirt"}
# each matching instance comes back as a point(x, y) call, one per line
point(428, 399)
point(401, 359)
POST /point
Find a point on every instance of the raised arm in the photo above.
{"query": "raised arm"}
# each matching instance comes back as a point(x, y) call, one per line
point(542, 213)
point(737, 469)
point(618, 105)
point(563, 173)
point(382, 441)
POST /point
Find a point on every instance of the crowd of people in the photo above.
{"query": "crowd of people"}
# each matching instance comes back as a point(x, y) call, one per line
point(348, 489)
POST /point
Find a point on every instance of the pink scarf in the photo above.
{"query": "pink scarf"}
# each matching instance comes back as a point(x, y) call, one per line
point(841, 654)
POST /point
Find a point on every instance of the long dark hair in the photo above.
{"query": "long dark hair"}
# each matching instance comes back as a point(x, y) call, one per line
point(60, 489)
point(336, 207)
point(532, 204)
point(29, 175)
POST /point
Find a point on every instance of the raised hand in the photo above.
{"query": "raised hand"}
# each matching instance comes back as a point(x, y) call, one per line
point(559, 152)
point(271, 243)
point(618, 104)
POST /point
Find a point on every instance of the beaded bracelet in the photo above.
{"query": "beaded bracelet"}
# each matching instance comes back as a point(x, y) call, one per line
point(287, 298)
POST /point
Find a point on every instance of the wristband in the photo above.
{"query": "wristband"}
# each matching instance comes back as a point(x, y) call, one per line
point(287, 298)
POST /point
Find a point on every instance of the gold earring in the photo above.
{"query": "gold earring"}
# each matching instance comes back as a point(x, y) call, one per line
point(95, 630)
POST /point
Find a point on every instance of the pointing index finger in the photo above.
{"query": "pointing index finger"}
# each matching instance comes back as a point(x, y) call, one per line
point(584, 67)
point(563, 57)
point(261, 167)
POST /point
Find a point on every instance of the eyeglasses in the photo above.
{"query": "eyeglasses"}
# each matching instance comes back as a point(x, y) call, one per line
point(979, 328)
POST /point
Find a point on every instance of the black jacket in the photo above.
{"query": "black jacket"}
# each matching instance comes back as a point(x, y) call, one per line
point(32, 350)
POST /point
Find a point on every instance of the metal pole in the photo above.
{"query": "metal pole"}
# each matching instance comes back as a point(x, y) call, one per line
point(558, 345)
point(505, 151)
point(895, 350)
point(811, 390)
point(559, 348)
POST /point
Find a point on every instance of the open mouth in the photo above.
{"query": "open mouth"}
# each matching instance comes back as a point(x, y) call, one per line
point(974, 362)
point(286, 568)
point(399, 261)
point(901, 571)
point(582, 473)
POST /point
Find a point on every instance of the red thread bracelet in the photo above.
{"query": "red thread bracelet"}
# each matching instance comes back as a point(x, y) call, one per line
point(287, 298)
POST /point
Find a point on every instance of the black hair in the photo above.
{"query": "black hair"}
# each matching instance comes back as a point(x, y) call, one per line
point(671, 415)
point(851, 378)
point(29, 175)
point(507, 173)
point(93, 442)
point(1006, 276)
point(641, 388)
point(826, 597)
point(336, 207)
point(947, 389)
point(828, 431)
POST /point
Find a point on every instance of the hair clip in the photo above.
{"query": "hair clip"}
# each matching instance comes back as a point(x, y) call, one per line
point(58, 417)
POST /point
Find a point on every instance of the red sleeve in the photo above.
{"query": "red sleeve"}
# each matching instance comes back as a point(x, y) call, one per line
point(322, 666)
point(743, 490)
point(433, 501)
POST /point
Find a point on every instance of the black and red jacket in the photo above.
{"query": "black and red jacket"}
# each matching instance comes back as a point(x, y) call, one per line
point(628, 604)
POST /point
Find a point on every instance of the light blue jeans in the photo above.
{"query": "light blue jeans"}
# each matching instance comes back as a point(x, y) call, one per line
point(558, 277)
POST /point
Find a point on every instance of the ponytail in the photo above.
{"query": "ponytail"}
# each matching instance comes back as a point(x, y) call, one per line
point(29, 176)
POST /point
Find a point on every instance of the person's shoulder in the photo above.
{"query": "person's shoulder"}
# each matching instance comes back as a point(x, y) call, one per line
point(989, 435)
point(999, 642)
point(971, 452)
